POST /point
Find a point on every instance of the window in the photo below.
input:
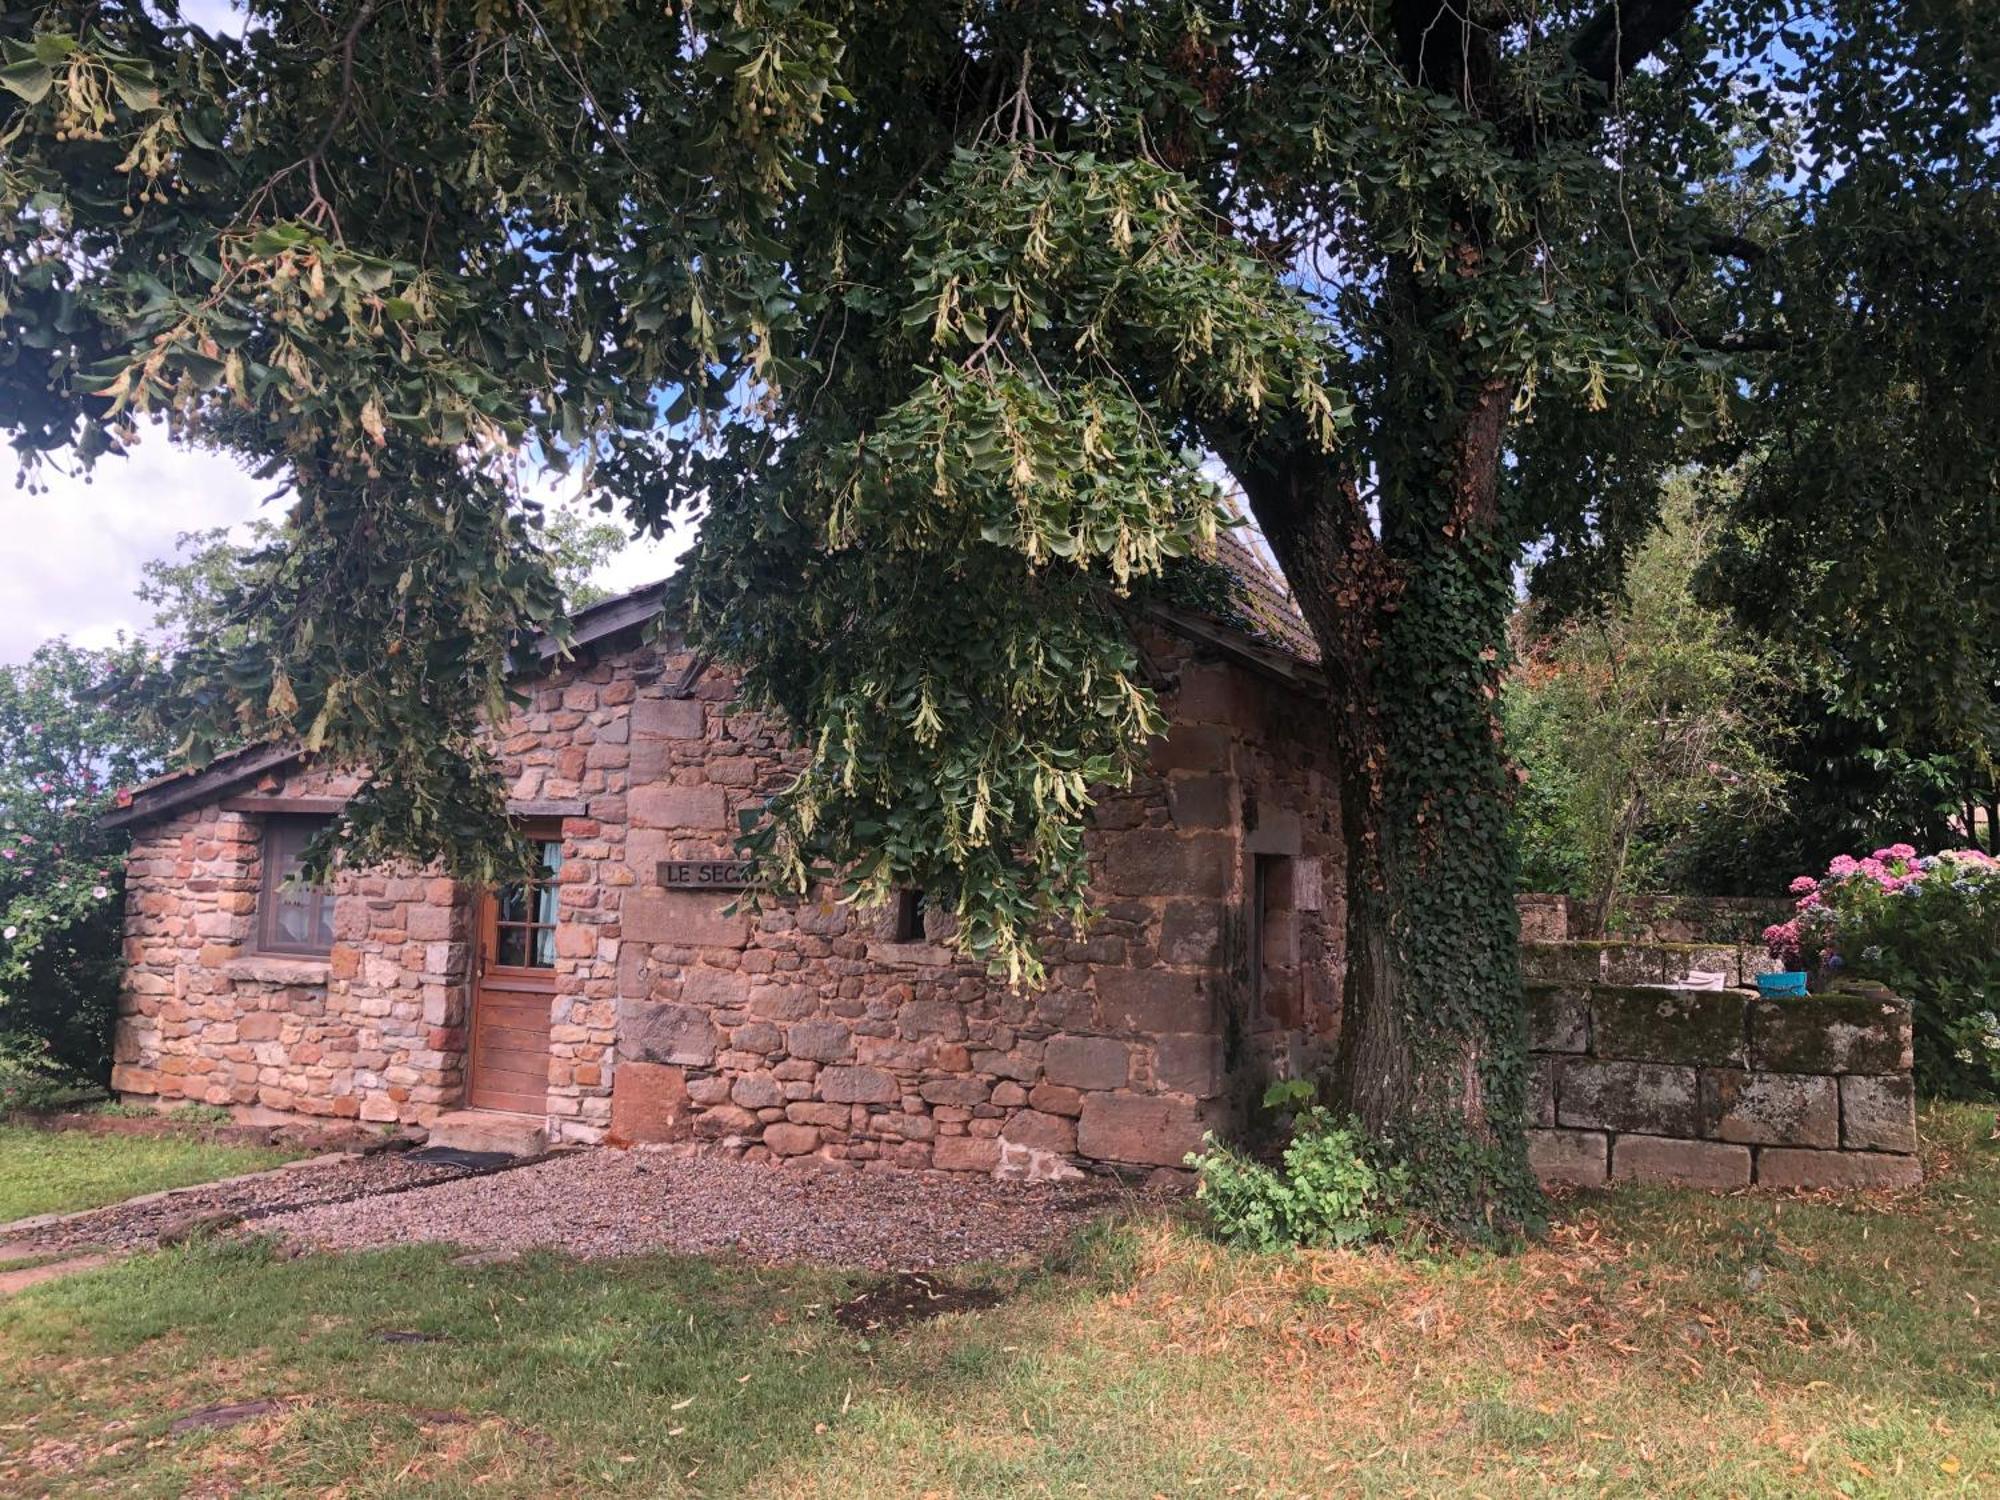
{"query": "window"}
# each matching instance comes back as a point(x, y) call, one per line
point(524, 920)
point(907, 918)
point(293, 915)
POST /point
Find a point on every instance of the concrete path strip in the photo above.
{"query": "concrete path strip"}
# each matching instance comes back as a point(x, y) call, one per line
point(20, 1228)
point(26, 1276)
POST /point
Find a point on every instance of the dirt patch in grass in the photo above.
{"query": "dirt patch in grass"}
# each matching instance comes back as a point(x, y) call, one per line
point(900, 1300)
point(18, 1277)
point(229, 1414)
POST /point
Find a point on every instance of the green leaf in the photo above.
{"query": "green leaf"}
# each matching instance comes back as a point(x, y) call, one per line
point(135, 90)
point(30, 81)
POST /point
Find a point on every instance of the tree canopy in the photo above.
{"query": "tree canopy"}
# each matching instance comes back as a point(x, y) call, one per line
point(936, 314)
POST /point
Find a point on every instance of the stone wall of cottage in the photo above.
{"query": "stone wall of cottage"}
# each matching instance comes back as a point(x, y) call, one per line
point(796, 1030)
point(370, 1032)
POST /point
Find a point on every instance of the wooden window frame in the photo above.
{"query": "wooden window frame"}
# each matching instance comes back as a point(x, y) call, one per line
point(275, 853)
point(528, 977)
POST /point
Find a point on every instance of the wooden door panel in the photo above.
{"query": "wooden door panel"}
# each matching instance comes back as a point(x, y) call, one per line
point(531, 1103)
point(499, 1008)
point(514, 1076)
point(508, 1061)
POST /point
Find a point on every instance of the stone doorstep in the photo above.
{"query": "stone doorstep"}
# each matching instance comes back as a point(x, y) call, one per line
point(490, 1130)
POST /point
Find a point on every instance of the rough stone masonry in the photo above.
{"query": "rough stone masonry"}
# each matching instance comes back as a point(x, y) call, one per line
point(811, 1030)
point(1637, 1079)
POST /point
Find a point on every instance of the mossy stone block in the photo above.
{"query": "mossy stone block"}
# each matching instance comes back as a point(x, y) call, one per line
point(1648, 1097)
point(1704, 1028)
point(1560, 963)
point(1633, 963)
point(1770, 1109)
point(1542, 1090)
point(1836, 1033)
point(1878, 1113)
point(1558, 1018)
point(1683, 959)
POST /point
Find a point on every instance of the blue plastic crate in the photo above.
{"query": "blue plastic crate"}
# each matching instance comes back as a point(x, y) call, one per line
point(1790, 982)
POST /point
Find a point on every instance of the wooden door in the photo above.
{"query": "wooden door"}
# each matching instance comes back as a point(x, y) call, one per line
point(515, 988)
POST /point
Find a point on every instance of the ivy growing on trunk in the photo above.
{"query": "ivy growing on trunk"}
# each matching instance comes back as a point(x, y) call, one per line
point(938, 314)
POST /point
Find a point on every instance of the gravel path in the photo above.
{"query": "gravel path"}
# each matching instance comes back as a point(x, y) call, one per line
point(607, 1202)
point(138, 1224)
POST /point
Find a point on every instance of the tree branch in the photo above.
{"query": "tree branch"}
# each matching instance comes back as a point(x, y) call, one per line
point(1736, 247)
point(1624, 34)
point(1731, 341)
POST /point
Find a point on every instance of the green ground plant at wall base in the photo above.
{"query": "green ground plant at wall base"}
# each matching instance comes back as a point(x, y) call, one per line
point(1329, 1189)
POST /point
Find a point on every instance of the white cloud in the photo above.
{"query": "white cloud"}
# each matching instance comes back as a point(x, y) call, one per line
point(223, 16)
point(70, 559)
point(639, 562)
point(644, 562)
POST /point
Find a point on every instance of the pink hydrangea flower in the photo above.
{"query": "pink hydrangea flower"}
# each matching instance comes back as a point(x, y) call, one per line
point(1781, 939)
point(1805, 885)
point(1842, 865)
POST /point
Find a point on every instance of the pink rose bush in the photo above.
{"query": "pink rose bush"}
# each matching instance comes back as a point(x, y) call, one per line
point(1928, 926)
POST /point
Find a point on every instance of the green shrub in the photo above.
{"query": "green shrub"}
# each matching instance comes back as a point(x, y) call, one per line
point(1326, 1191)
point(64, 753)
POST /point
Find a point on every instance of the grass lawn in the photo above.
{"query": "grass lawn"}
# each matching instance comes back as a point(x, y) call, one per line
point(57, 1171)
point(1657, 1343)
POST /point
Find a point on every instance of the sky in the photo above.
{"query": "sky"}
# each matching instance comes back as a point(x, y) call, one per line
point(70, 559)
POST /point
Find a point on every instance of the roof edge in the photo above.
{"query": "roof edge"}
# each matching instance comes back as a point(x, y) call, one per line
point(181, 789)
point(627, 611)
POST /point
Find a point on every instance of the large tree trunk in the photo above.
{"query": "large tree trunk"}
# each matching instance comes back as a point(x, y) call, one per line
point(1411, 625)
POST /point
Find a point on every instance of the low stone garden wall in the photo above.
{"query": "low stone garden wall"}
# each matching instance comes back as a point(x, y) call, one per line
point(1635, 1079)
point(1655, 919)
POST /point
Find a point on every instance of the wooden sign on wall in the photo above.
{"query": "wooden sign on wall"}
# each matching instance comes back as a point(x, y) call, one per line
point(704, 874)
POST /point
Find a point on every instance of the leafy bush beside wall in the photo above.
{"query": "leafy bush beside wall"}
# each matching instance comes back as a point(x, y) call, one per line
point(1928, 926)
point(1637, 730)
point(63, 754)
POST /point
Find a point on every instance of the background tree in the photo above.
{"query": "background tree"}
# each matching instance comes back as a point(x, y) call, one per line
point(63, 755)
point(576, 546)
point(1652, 722)
point(214, 582)
point(906, 293)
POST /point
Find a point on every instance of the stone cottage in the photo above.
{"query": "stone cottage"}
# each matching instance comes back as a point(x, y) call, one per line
point(617, 997)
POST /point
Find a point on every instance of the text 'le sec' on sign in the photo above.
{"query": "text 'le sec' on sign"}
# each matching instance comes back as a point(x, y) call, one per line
point(705, 874)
